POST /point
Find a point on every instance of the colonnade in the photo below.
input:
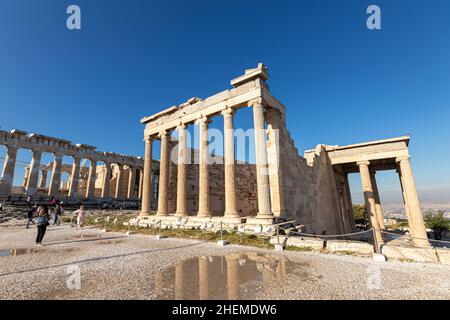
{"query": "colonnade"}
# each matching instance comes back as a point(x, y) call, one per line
point(204, 211)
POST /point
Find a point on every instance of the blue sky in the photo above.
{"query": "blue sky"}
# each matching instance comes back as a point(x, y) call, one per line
point(341, 82)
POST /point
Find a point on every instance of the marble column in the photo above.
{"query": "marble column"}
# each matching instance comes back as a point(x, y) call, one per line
point(181, 173)
point(376, 195)
point(55, 180)
point(74, 178)
point(141, 184)
point(415, 218)
point(348, 200)
point(370, 200)
point(25, 177)
point(9, 165)
point(203, 284)
point(163, 175)
point(106, 181)
point(131, 183)
point(262, 171)
point(230, 169)
point(147, 178)
point(204, 204)
point(33, 177)
point(43, 181)
point(118, 194)
point(90, 189)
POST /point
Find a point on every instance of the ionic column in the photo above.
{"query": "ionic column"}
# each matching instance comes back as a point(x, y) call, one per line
point(415, 218)
point(9, 165)
point(90, 190)
point(106, 181)
point(230, 169)
point(146, 187)
point(377, 201)
point(141, 184)
point(33, 177)
point(181, 172)
point(370, 200)
point(203, 285)
point(74, 178)
point(55, 180)
point(348, 200)
point(262, 172)
point(131, 183)
point(119, 179)
point(204, 204)
point(43, 180)
point(163, 175)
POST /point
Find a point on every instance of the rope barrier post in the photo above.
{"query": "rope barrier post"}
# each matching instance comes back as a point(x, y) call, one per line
point(221, 242)
point(159, 236)
point(278, 246)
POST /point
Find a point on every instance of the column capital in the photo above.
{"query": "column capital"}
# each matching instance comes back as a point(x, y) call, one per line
point(203, 120)
point(36, 153)
point(11, 148)
point(363, 163)
point(181, 126)
point(58, 156)
point(256, 103)
point(228, 112)
point(163, 133)
point(149, 138)
point(404, 158)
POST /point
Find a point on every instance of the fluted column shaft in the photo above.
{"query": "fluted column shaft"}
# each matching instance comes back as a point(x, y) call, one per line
point(378, 207)
point(203, 278)
point(74, 178)
point(141, 185)
point(262, 172)
point(163, 175)
point(43, 181)
point(90, 190)
point(131, 183)
point(181, 174)
point(33, 177)
point(232, 277)
point(119, 180)
point(370, 200)
point(230, 169)
point(204, 204)
point(55, 180)
point(106, 181)
point(9, 165)
point(147, 187)
point(415, 217)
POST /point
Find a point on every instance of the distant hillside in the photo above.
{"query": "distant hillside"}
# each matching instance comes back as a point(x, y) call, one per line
point(398, 210)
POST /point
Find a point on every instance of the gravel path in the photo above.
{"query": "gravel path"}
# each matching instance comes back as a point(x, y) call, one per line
point(114, 266)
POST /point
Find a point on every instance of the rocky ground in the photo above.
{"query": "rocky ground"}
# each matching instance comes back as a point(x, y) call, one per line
point(116, 266)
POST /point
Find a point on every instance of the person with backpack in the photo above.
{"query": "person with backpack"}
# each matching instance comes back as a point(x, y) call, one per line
point(57, 214)
point(30, 213)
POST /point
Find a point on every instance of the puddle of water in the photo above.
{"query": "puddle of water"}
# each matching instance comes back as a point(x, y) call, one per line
point(232, 276)
point(87, 236)
point(17, 252)
point(111, 241)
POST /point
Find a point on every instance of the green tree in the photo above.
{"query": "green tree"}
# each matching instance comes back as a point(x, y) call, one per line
point(360, 214)
point(437, 221)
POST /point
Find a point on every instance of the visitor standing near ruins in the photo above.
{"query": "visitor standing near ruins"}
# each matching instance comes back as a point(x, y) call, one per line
point(30, 213)
point(42, 223)
point(80, 216)
point(57, 214)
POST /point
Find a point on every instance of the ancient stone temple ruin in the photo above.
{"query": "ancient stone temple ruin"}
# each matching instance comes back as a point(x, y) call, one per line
point(109, 175)
point(312, 189)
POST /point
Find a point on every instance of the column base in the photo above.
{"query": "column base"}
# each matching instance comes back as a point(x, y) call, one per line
point(204, 215)
point(231, 215)
point(181, 214)
point(162, 214)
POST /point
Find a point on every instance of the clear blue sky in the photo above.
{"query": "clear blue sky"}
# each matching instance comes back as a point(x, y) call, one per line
point(341, 82)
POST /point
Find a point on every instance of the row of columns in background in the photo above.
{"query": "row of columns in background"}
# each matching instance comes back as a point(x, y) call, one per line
point(262, 177)
point(31, 185)
point(411, 200)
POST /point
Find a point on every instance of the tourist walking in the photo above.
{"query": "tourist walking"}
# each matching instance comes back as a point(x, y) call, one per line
point(81, 213)
point(30, 214)
point(58, 212)
point(42, 223)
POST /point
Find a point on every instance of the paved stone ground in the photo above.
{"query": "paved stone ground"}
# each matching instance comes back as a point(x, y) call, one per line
point(114, 266)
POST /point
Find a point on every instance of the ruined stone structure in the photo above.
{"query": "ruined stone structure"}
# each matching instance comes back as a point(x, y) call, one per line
point(313, 189)
point(119, 176)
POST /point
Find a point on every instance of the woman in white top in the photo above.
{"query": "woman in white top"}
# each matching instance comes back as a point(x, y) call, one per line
point(80, 216)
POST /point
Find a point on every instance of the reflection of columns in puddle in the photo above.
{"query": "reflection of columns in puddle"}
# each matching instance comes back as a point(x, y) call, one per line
point(159, 284)
point(232, 277)
point(203, 288)
point(179, 279)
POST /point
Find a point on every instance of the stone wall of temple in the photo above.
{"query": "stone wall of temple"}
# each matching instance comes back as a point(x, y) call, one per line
point(246, 186)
